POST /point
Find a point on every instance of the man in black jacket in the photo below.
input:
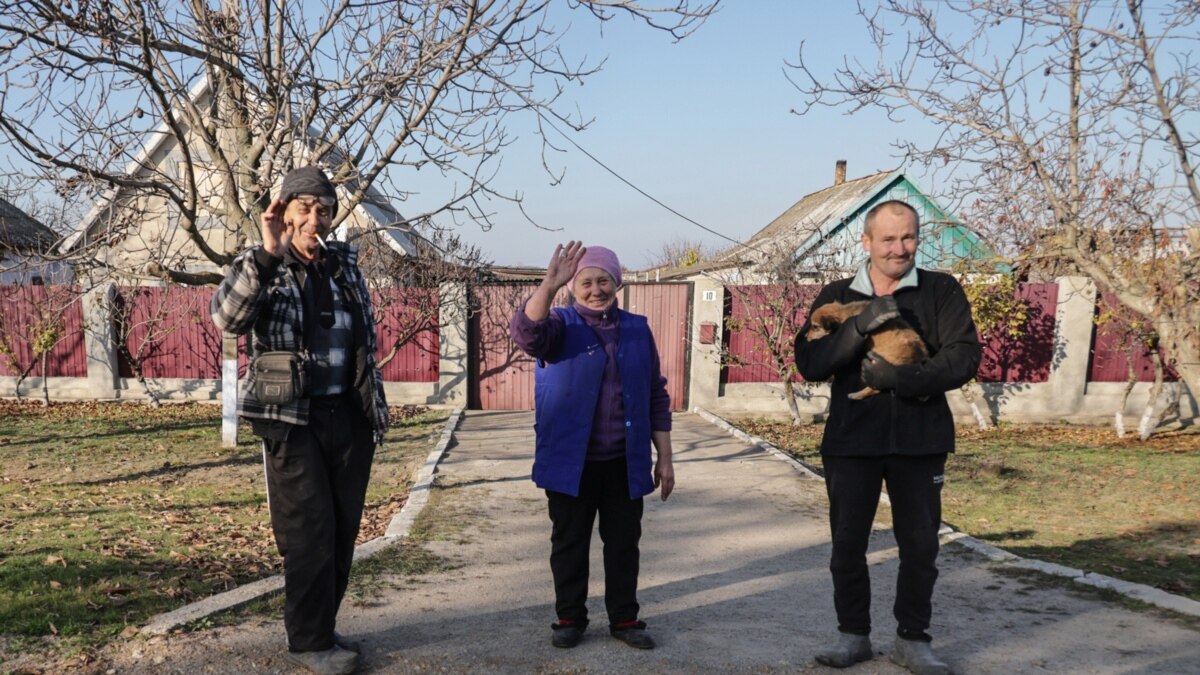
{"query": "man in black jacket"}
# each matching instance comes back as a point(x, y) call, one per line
point(901, 436)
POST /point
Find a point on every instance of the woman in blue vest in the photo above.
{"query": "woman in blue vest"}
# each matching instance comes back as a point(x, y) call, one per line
point(600, 401)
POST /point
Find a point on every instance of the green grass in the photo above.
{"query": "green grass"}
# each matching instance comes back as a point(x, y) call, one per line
point(1076, 496)
point(112, 513)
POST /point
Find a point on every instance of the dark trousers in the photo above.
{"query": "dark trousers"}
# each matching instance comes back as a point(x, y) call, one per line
point(914, 486)
point(604, 489)
point(316, 485)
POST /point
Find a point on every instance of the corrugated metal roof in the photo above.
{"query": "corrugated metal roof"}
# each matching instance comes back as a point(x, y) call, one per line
point(19, 232)
point(818, 211)
point(815, 214)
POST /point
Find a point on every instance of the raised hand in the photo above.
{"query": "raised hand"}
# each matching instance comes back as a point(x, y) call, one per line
point(277, 235)
point(561, 269)
point(564, 263)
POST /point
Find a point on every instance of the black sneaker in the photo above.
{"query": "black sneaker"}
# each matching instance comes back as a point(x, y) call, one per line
point(566, 635)
point(634, 634)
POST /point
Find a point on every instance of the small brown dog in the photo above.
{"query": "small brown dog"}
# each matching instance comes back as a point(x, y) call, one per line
point(895, 341)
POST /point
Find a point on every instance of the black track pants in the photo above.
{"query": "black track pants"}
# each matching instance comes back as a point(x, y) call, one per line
point(914, 486)
point(604, 489)
point(316, 484)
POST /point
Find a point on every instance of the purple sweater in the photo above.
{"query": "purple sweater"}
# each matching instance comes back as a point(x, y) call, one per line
point(539, 338)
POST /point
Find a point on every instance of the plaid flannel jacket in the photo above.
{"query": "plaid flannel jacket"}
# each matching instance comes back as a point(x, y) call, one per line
point(274, 309)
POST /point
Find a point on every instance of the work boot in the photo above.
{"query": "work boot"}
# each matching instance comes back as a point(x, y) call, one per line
point(919, 658)
point(332, 661)
point(847, 651)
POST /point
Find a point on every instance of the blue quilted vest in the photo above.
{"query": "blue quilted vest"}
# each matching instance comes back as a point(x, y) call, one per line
point(567, 386)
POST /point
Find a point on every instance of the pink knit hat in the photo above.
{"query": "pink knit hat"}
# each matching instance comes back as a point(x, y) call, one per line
point(601, 258)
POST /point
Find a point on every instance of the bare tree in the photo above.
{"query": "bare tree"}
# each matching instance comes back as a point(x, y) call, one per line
point(1132, 337)
point(33, 322)
point(773, 312)
point(242, 90)
point(682, 252)
point(1068, 128)
point(998, 313)
point(406, 290)
point(143, 318)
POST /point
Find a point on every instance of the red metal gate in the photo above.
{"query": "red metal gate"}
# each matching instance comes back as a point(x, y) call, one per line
point(501, 375)
point(667, 308)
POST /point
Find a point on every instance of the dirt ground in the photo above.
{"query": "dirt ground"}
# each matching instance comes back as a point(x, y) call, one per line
point(734, 580)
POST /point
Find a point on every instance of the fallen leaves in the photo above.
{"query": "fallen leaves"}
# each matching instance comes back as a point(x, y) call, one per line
point(154, 514)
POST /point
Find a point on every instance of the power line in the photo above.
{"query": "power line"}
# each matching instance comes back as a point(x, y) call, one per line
point(626, 181)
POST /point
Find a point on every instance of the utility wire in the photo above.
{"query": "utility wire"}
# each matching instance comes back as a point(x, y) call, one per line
point(626, 181)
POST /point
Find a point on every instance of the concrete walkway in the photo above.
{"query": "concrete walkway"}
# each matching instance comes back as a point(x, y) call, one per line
point(734, 580)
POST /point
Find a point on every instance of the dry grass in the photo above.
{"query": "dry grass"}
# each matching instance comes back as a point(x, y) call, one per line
point(1073, 495)
point(111, 513)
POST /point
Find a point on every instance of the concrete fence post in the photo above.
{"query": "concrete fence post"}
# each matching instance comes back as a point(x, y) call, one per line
point(1073, 328)
point(708, 326)
point(229, 391)
point(454, 313)
point(100, 342)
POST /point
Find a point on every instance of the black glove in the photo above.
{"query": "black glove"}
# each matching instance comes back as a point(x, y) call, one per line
point(877, 373)
point(881, 310)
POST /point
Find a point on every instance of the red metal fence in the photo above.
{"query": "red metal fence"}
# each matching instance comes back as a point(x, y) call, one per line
point(666, 308)
point(409, 316)
point(169, 331)
point(758, 317)
point(1024, 356)
point(26, 312)
point(1119, 335)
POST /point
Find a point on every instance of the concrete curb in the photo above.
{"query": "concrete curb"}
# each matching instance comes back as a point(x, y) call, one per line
point(1139, 592)
point(803, 469)
point(401, 523)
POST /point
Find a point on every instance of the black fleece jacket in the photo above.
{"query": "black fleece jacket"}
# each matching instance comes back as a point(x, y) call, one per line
point(914, 419)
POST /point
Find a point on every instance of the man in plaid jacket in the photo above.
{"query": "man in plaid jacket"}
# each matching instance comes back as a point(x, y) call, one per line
point(299, 294)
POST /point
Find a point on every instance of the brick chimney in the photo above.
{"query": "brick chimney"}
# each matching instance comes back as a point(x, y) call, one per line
point(839, 172)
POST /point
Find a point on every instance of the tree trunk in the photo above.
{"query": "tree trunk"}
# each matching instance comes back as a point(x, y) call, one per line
point(1130, 381)
point(45, 380)
point(135, 364)
point(21, 378)
point(1189, 377)
point(789, 394)
point(1149, 421)
point(969, 393)
point(154, 402)
point(1185, 352)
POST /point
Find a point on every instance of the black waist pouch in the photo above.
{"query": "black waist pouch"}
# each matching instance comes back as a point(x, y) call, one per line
point(280, 377)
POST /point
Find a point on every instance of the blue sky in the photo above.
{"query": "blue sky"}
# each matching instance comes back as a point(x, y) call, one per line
point(705, 125)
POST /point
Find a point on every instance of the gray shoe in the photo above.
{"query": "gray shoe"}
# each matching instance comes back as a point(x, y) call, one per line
point(347, 643)
point(332, 661)
point(919, 658)
point(847, 651)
